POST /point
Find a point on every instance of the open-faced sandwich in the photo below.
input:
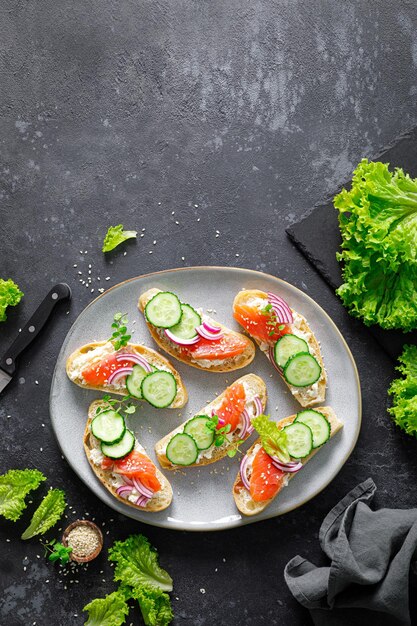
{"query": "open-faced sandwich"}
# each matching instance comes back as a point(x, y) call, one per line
point(281, 451)
point(286, 339)
point(217, 429)
point(120, 462)
point(132, 369)
point(193, 337)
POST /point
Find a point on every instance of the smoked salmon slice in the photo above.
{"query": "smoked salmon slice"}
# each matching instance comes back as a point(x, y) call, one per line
point(266, 479)
point(99, 373)
point(260, 325)
point(134, 465)
point(232, 406)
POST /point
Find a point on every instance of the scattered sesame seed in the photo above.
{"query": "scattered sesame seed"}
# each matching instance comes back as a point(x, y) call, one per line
point(75, 265)
point(107, 278)
point(237, 255)
point(36, 382)
point(41, 449)
point(150, 251)
point(202, 591)
point(173, 213)
point(176, 221)
point(154, 243)
point(124, 253)
point(89, 266)
point(142, 235)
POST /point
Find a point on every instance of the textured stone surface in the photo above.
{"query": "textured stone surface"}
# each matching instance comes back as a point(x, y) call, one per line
point(238, 116)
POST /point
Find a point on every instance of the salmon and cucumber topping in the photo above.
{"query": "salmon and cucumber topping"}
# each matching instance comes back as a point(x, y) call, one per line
point(216, 430)
point(285, 337)
point(191, 336)
point(282, 450)
point(120, 462)
point(125, 368)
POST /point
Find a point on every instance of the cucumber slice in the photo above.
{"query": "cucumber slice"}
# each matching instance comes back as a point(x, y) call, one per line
point(190, 319)
point(299, 440)
point(319, 425)
point(134, 381)
point(108, 426)
point(159, 389)
point(120, 449)
point(302, 370)
point(182, 450)
point(163, 310)
point(286, 347)
point(202, 435)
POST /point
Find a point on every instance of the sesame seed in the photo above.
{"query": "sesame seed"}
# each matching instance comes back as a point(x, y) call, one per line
point(75, 265)
point(107, 278)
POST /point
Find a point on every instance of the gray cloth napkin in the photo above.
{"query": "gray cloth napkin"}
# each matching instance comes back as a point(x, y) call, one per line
point(371, 553)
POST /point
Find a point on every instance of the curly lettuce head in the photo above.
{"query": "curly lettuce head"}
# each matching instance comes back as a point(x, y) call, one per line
point(378, 224)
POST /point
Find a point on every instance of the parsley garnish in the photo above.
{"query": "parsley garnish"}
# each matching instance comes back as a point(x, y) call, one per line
point(220, 435)
point(58, 552)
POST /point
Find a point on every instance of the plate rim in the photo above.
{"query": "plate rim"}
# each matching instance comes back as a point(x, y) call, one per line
point(244, 520)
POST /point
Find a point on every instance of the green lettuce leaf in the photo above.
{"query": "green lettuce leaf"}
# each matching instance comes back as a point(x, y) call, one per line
point(47, 514)
point(137, 564)
point(108, 611)
point(115, 236)
point(155, 605)
point(14, 487)
point(404, 392)
point(10, 295)
point(378, 224)
point(273, 440)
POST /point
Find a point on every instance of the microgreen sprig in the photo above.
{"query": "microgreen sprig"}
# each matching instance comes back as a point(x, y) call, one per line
point(119, 336)
point(220, 435)
point(57, 551)
point(123, 404)
point(273, 322)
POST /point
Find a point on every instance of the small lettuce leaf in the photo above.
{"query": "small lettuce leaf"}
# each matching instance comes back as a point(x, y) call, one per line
point(137, 564)
point(155, 605)
point(109, 611)
point(378, 224)
point(404, 392)
point(273, 440)
point(115, 236)
point(10, 295)
point(14, 487)
point(47, 514)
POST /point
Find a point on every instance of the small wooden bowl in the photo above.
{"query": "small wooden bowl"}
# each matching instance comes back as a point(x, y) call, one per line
point(83, 522)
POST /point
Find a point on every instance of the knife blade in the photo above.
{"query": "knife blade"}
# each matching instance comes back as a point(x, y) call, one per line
point(61, 291)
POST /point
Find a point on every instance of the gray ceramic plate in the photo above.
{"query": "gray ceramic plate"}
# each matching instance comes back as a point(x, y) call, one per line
point(202, 496)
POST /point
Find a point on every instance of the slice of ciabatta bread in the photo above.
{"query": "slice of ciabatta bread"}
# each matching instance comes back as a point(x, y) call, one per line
point(97, 350)
point(306, 396)
point(254, 386)
point(244, 502)
point(160, 500)
point(227, 365)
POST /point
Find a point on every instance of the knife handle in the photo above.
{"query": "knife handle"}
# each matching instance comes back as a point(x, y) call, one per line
point(33, 326)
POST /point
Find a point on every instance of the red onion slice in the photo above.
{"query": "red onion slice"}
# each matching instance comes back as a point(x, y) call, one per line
point(135, 358)
point(271, 357)
point(243, 468)
point(289, 468)
point(203, 332)
point(144, 491)
point(210, 328)
point(123, 490)
point(126, 479)
point(281, 309)
point(142, 501)
point(258, 406)
point(179, 341)
point(246, 424)
point(123, 371)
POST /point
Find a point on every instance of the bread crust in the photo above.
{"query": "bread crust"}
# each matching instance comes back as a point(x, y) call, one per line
point(160, 501)
point(249, 506)
point(153, 357)
point(229, 365)
point(258, 387)
point(241, 298)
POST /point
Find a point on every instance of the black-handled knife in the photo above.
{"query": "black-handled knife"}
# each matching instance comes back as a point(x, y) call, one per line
point(30, 331)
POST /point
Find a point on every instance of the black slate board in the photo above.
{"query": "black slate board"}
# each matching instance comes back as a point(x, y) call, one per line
point(317, 236)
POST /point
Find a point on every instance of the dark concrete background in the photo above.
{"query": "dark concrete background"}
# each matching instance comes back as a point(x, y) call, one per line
point(241, 115)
